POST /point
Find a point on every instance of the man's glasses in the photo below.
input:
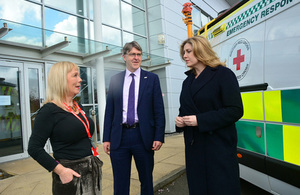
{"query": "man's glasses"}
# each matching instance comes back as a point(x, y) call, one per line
point(135, 54)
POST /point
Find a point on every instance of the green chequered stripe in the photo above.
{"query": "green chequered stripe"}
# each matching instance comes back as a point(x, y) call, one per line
point(282, 106)
point(290, 100)
point(247, 138)
point(274, 141)
point(283, 142)
point(249, 12)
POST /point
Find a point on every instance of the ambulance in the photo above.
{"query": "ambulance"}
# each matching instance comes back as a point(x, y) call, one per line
point(260, 41)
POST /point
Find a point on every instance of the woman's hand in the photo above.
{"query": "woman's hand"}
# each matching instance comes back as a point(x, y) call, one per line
point(65, 174)
point(190, 120)
point(179, 122)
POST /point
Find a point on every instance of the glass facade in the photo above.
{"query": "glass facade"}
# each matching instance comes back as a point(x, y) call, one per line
point(133, 19)
point(139, 3)
point(110, 12)
point(45, 23)
point(34, 92)
point(62, 22)
point(124, 21)
point(74, 6)
point(21, 11)
point(10, 112)
point(111, 35)
point(127, 37)
point(86, 92)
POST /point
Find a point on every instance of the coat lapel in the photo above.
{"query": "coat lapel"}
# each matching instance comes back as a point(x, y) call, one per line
point(188, 106)
point(186, 100)
point(120, 83)
point(203, 78)
point(143, 83)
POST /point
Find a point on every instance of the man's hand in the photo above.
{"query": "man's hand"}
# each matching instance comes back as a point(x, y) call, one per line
point(106, 146)
point(156, 145)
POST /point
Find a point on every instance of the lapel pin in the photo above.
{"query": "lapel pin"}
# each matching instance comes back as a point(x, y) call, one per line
point(145, 77)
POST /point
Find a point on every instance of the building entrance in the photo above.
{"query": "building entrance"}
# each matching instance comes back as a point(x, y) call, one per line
point(21, 95)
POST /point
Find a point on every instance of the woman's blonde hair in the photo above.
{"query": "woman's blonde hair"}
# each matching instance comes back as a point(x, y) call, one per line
point(202, 51)
point(57, 83)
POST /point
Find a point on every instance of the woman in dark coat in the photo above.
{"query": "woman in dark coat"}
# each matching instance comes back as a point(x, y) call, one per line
point(210, 104)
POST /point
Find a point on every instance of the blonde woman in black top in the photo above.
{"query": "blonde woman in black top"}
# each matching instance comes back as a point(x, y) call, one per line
point(76, 168)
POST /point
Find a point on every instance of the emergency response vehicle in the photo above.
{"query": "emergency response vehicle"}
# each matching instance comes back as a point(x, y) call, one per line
point(260, 41)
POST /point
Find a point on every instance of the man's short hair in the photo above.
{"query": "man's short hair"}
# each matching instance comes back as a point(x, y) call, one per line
point(133, 44)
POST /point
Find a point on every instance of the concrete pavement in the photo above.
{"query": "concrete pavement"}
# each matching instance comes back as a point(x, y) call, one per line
point(32, 179)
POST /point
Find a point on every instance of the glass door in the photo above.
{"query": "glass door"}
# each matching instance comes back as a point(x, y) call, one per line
point(34, 97)
point(11, 109)
point(34, 84)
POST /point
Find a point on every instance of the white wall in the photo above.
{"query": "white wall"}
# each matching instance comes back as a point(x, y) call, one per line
point(165, 18)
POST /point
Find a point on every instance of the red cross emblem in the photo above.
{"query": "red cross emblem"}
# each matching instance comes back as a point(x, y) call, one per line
point(239, 59)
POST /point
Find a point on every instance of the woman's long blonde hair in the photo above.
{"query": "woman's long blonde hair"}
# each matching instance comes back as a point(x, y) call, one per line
point(202, 51)
point(57, 83)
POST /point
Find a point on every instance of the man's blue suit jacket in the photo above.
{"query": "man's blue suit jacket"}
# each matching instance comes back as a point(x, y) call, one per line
point(150, 110)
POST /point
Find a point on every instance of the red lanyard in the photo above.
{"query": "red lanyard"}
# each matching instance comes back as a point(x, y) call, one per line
point(86, 125)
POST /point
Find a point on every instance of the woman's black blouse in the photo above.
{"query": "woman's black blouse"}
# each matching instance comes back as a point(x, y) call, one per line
point(68, 137)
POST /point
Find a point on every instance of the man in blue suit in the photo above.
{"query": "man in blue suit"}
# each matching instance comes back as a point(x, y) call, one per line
point(134, 123)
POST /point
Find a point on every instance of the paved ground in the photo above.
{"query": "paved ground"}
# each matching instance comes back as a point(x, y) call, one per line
point(31, 179)
point(169, 174)
point(179, 187)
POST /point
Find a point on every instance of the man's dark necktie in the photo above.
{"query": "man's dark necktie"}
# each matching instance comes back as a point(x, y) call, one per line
point(131, 96)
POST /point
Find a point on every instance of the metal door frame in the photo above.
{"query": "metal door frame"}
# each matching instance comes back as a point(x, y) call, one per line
point(23, 67)
point(20, 66)
point(41, 76)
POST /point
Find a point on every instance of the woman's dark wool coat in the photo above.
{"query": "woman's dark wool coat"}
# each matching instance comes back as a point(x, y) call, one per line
point(211, 161)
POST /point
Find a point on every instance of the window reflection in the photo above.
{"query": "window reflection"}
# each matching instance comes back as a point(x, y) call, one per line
point(204, 19)
point(23, 34)
point(25, 17)
point(110, 12)
point(196, 16)
point(10, 112)
point(139, 3)
point(64, 23)
point(133, 19)
point(91, 9)
point(21, 11)
point(34, 92)
point(15, 13)
point(74, 6)
point(86, 96)
point(92, 34)
point(128, 37)
point(111, 35)
point(94, 72)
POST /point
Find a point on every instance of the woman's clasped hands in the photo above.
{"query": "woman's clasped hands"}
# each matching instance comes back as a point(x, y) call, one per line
point(182, 121)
